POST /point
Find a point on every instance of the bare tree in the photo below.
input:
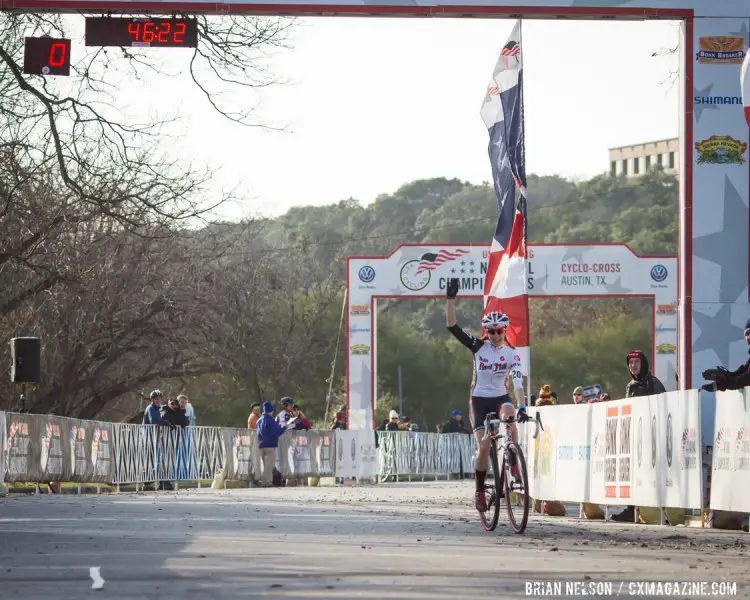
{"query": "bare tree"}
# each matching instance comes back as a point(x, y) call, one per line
point(95, 254)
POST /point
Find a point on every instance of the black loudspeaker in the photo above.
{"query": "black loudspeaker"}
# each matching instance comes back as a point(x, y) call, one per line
point(25, 359)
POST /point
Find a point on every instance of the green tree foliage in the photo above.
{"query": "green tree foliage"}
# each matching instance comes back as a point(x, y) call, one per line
point(238, 313)
point(574, 342)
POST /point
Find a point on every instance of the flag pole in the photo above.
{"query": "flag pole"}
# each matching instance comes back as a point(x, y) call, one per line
point(524, 192)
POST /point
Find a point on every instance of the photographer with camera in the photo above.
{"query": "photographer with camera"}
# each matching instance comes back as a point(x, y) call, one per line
point(729, 380)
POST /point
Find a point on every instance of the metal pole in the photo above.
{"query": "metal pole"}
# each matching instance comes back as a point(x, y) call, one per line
point(400, 393)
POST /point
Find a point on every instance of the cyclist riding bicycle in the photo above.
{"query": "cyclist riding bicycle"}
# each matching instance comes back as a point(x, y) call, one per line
point(494, 362)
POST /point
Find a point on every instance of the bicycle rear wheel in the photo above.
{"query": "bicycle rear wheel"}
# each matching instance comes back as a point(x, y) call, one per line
point(518, 516)
point(493, 493)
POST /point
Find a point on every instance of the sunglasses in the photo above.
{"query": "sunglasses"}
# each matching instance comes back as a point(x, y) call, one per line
point(496, 331)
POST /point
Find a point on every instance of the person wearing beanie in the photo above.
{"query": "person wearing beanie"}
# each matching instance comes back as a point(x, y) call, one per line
point(546, 396)
point(729, 380)
point(578, 395)
point(269, 432)
point(393, 423)
point(455, 424)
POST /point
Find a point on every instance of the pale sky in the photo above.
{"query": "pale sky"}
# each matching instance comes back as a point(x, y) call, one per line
point(374, 103)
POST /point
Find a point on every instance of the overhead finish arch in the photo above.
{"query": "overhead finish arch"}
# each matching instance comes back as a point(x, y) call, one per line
point(555, 270)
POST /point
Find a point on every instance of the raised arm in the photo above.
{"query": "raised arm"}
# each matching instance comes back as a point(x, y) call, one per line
point(467, 340)
point(451, 290)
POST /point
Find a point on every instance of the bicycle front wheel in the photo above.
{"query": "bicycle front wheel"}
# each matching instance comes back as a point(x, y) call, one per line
point(493, 493)
point(518, 516)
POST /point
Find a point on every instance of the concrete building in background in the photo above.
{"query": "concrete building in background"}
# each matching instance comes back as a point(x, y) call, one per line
point(635, 160)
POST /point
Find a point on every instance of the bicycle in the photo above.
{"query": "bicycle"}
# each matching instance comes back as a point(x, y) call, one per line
point(504, 481)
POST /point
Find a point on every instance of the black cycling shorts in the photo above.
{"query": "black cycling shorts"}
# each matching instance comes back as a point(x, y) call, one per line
point(481, 407)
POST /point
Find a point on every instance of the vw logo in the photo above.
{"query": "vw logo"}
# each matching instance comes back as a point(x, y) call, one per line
point(659, 273)
point(367, 274)
point(669, 439)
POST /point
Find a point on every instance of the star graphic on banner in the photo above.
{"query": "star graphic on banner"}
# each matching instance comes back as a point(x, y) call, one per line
point(699, 108)
point(616, 287)
point(743, 32)
point(716, 333)
point(721, 248)
point(364, 374)
point(575, 252)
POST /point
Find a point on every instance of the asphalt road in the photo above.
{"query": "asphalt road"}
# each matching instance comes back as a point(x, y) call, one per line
point(411, 540)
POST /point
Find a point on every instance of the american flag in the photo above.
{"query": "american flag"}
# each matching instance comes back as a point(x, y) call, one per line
point(432, 260)
point(511, 49)
point(505, 281)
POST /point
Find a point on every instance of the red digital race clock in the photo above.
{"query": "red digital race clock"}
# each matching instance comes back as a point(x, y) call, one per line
point(46, 56)
point(153, 32)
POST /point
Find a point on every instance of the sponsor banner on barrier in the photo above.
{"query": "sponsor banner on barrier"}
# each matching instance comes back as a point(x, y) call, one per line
point(356, 454)
point(22, 452)
point(90, 451)
point(730, 475)
point(241, 445)
point(46, 448)
point(645, 451)
point(611, 452)
point(683, 483)
point(305, 453)
point(571, 432)
point(640, 451)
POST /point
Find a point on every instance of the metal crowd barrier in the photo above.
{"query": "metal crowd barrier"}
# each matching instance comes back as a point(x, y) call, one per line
point(42, 448)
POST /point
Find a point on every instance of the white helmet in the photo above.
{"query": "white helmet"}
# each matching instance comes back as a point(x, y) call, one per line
point(393, 414)
point(495, 320)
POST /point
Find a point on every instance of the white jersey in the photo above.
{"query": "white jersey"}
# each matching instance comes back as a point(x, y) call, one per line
point(492, 365)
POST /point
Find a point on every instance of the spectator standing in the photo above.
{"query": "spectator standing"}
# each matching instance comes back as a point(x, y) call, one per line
point(188, 408)
point(393, 423)
point(252, 420)
point(729, 380)
point(152, 414)
point(578, 395)
point(173, 414)
point(546, 396)
point(642, 383)
point(339, 421)
point(269, 432)
point(286, 411)
point(301, 421)
point(455, 424)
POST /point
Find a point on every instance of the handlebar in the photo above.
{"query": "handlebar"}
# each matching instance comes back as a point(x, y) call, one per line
point(514, 419)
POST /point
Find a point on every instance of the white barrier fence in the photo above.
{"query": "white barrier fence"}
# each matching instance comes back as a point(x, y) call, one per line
point(640, 451)
point(730, 473)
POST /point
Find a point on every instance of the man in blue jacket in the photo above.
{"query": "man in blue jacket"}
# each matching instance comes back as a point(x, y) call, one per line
point(269, 432)
point(152, 414)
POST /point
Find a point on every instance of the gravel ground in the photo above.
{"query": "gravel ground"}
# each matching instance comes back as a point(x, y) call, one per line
point(407, 540)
